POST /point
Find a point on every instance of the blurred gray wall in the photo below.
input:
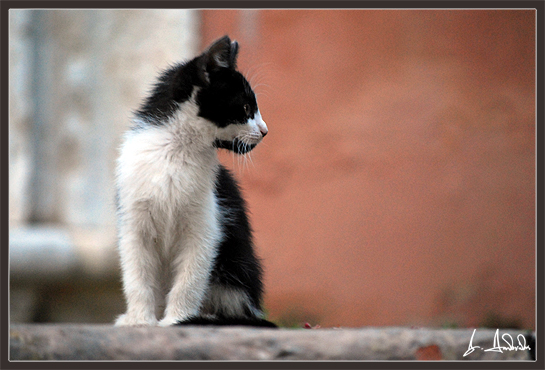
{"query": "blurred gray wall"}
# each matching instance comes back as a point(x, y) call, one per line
point(75, 77)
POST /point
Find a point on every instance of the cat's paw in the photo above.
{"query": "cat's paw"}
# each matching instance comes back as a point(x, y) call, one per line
point(126, 320)
point(168, 321)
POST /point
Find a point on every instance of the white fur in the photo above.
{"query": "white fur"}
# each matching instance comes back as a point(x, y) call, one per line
point(169, 218)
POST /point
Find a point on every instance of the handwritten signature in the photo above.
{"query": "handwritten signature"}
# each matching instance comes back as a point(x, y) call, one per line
point(507, 338)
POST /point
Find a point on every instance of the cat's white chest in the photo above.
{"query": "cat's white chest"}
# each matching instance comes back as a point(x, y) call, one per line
point(156, 165)
point(167, 187)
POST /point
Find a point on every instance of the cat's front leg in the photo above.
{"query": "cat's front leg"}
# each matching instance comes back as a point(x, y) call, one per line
point(139, 265)
point(192, 269)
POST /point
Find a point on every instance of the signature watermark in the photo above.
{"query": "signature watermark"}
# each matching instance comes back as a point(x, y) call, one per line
point(497, 347)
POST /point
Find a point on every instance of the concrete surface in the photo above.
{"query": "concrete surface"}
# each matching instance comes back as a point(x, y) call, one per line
point(104, 342)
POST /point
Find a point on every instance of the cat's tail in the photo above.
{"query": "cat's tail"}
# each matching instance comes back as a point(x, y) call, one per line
point(228, 321)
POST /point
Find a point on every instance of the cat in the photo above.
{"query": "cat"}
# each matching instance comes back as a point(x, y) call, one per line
point(185, 241)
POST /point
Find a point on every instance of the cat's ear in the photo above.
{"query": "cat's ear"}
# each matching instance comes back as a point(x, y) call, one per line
point(233, 55)
point(221, 54)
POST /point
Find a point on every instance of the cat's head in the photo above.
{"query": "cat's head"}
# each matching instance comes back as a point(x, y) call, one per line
point(227, 100)
point(221, 95)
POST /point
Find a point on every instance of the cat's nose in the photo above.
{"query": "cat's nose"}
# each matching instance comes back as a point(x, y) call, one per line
point(261, 125)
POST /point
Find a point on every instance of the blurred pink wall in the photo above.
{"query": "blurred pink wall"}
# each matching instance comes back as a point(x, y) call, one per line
point(397, 183)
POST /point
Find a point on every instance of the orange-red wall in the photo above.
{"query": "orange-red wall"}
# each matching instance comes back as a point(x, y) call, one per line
point(397, 184)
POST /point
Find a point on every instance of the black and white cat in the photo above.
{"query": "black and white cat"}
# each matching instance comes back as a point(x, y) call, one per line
point(184, 238)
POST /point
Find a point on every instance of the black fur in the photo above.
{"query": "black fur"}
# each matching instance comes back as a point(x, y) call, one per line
point(223, 91)
point(175, 86)
point(236, 264)
point(228, 321)
point(223, 100)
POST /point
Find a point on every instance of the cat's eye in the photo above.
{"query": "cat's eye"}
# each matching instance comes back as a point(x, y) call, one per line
point(247, 109)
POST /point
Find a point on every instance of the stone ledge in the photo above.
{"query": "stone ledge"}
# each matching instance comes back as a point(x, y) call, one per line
point(104, 342)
